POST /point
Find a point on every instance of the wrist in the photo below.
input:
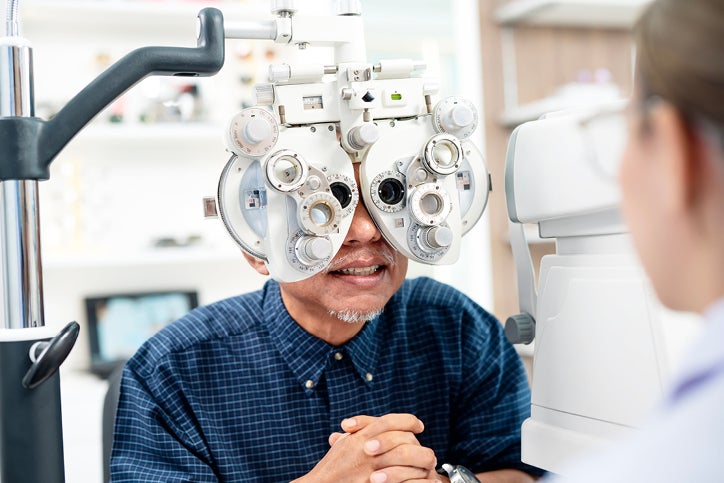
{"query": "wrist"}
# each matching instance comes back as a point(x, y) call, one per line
point(458, 474)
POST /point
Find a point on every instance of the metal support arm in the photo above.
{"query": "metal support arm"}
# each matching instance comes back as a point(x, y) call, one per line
point(31, 443)
point(28, 144)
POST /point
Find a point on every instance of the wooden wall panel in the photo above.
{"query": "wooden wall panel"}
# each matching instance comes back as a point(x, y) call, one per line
point(545, 58)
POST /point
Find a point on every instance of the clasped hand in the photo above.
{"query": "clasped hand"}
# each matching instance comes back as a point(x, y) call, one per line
point(376, 450)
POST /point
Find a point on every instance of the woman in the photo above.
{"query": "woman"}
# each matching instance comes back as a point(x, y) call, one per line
point(672, 179)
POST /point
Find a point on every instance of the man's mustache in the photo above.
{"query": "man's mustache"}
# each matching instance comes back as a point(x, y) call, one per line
point(345, 259)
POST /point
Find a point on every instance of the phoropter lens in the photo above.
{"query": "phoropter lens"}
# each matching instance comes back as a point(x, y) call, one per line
point(342, 192)
point(445, 154)
point(391, 191)
point(431, 204)
point(321, 214)
point(287, 170)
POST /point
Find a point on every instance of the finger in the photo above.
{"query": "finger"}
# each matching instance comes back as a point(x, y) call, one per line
point(384, 442)
point(334, 437)
point(395, 474)
point(389, 422)
point(412, 455)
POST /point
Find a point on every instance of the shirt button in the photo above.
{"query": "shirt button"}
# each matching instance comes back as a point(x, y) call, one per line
point(338, 356)
point(309, 384)
point(368, 376)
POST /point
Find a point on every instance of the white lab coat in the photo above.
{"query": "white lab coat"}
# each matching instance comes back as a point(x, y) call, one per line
point(683, 440)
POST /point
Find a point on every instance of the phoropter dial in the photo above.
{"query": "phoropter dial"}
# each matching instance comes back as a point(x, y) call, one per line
point(429, 244)
point(345, 190)
point(308, 253)
point(456, 116)
point(430, 204)
point(311, 250)
point(388, 191)
point(442, 154)
point(252, 132)
point(320, 213)
point(286, 170)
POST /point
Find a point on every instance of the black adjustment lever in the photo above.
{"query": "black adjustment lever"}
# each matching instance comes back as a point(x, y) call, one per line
point(28, 144)
point(47, 356)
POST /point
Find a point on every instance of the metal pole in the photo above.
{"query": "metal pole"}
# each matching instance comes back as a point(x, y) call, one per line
point(31, 444)
point(20, 227)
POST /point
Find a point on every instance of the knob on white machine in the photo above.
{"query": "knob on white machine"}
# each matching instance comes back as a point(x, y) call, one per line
point(257, 130)
point(283, 6)
point(313, 249)
point(363, 135)
point(456, 116)
point(252, 132)
point(264, 94)
point(348, 7)
point(279, 72)
point(438, 236)
point(460, 116)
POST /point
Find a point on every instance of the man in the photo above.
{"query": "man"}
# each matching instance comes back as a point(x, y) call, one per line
point(255, 388)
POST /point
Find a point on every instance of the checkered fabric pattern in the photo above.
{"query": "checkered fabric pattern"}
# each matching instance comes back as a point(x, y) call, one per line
point(238, 392)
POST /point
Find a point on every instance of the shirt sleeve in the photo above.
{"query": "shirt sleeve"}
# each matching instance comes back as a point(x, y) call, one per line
point(493, 399)
point(154, 439)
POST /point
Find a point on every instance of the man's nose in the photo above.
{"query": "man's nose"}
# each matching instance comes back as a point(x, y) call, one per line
point(363, 229)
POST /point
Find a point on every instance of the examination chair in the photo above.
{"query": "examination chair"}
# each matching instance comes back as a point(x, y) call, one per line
point(110, 404)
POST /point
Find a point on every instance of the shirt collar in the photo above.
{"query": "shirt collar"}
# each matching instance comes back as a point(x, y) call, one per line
point(705, 355)
point(306, 355)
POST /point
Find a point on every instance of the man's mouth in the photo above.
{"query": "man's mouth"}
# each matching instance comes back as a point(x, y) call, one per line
point(361, 263)
point(360, 271)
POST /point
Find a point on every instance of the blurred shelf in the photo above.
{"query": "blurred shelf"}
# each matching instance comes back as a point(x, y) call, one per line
point(574, 95)
point(119, 257)
point(618, 14)
point(139, 20)
point(181, 132)
point(182, 142)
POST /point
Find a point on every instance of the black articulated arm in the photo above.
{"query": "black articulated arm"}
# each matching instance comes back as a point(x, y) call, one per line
point(28, 144)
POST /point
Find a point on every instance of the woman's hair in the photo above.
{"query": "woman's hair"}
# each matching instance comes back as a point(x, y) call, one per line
point(680, 57)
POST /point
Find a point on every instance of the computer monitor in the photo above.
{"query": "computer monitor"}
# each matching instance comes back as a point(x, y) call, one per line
point(119, 323)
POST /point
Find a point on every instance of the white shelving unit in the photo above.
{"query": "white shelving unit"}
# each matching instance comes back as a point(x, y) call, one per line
point(127, 21)
point(571, 13)
point(597, 14)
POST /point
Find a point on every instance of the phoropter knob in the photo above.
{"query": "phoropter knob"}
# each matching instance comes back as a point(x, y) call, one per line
point(460, 116)
point(438, 236)
point(257, 130)
point(264, 94)
point(456, 116)
point(313, 249)
point(363, 135)
point(252, 132)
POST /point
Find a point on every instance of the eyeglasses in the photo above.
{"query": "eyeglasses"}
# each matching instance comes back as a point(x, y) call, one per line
point(604, 137)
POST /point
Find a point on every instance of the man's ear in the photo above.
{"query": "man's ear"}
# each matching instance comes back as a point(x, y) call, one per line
point(257, 264)
point(678, 152)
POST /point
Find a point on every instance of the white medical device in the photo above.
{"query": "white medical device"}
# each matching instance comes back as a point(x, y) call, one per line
point(288, 193)
point(604, 346)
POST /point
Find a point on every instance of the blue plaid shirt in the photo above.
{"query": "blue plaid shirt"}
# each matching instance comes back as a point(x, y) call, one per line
point(237, 391)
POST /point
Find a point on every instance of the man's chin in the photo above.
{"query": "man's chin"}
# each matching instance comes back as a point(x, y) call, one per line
point(355, 316)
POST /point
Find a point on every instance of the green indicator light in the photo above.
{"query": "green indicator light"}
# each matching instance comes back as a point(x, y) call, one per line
point(396, 97)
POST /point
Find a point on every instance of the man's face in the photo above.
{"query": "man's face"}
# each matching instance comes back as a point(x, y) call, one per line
point(359, 281)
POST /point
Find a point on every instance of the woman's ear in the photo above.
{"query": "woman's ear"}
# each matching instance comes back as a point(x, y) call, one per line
point(257, 264)
point(678, 152)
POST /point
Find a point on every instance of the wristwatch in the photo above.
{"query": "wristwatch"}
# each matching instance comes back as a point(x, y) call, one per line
point(459, 474)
